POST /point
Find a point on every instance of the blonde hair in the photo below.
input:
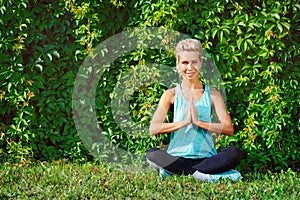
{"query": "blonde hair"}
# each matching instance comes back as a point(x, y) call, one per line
point(189, 45)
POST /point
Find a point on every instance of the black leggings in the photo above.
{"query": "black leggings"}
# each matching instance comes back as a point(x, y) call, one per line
point(225, 160)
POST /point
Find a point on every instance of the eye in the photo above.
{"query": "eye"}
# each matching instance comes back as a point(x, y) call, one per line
point(185, 62)
point(195, 62)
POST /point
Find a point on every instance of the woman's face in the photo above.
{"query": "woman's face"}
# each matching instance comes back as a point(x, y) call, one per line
point(189, 64)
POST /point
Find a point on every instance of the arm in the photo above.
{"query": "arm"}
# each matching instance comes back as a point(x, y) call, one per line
point(224, 126)
point(158, 125)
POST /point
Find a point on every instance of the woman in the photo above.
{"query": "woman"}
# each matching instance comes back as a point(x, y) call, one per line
point(191, 149)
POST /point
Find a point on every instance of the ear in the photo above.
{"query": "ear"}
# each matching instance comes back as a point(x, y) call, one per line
point(177, 62)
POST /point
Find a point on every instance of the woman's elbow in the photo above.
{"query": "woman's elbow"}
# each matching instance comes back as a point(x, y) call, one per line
point(230, 131)
point(152, 130)
point(227, 129)
point(152, 133)
point(155, 128)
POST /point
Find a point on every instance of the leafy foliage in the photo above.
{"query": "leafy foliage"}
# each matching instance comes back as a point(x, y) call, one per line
point(254, 44)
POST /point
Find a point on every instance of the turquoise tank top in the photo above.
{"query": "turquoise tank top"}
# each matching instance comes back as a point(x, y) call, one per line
point(192, 141)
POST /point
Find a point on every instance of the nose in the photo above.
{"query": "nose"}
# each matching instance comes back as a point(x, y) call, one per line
point(189, 66)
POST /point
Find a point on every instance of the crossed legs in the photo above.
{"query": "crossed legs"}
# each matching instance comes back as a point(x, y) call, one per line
point(225, 160)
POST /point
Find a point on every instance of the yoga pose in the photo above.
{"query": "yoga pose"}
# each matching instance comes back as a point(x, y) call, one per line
point(191, 150)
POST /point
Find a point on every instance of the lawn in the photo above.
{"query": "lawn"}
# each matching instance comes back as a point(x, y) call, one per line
point(64, 180)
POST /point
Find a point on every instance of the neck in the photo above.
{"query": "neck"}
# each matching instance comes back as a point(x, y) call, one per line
point(192, 84)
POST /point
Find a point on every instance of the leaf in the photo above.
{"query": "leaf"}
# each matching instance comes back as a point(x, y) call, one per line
point(48, 57)
point(242, 23)
point(226, 31)
point(239, 31)
point(40, 67)
point(286, 25)
point(214, 32)
point(264, 53)
point(239, 42)
point(9, 86)
point(269, 30)
point(279, 28)
point(249, 41)
point(221, 36)
point(21, 26)
point(276, 15)
point(55, 53)
point(245, 46)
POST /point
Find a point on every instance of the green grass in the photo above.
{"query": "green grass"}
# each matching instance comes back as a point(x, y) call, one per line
point(64, 180)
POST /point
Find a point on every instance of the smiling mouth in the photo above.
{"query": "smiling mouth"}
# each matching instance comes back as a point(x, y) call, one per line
point(190, 74)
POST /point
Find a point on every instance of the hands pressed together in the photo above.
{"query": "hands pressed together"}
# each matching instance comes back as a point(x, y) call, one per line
point(191, 115)
point(223, 126)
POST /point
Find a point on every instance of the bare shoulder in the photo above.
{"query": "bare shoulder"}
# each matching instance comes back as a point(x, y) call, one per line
point(216, 96)
point(172, 90)
point(169, 95)
point(215, 93)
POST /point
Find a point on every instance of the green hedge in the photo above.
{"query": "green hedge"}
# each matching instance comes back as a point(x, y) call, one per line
point(254, 44)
